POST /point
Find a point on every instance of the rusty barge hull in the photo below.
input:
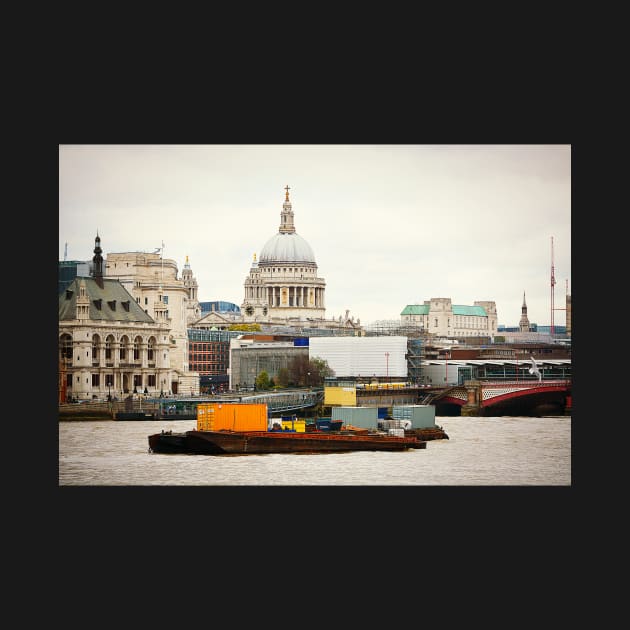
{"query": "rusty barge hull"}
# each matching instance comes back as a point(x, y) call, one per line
point(261, 442)
point(430, 433)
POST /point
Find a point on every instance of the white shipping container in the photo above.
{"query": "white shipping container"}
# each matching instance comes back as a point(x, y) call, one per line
point(395, 424)
point(396, 432)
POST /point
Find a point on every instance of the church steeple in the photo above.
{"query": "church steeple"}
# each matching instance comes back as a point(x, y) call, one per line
point(98, 261)
point(286, 216)
point(523, 325)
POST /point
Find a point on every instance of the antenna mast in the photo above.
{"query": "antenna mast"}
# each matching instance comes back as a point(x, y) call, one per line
point(162, 270)
point(553, 282)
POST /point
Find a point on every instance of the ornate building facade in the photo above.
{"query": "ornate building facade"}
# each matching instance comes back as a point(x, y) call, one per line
point(152, 281)
point(439, 316)
point(109, 345)
point(283, 284)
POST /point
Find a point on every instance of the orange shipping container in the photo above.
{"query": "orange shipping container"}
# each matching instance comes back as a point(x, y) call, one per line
point(231, 416)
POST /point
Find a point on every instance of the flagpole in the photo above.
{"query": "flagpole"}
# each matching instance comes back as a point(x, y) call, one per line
point(162, 270)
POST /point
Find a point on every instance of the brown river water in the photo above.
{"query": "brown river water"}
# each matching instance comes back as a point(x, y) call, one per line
point(501, 451)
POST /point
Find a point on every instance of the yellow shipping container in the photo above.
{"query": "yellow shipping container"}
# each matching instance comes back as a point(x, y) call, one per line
point(231, 416)
point(345, 396)
point(299, 426)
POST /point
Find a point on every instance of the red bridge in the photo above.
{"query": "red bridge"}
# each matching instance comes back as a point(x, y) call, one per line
point(483, 398)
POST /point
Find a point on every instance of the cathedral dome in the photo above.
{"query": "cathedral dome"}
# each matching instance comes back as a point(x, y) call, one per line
point(286, 247)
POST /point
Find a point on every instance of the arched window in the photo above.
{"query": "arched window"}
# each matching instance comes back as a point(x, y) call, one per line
point(65, 347)
point(95, 341)
point(108, 348)
point(124, 343)
point(136, 348)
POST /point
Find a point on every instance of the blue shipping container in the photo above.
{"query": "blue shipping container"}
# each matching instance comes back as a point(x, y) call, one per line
point(323, 424)
point(300, 341)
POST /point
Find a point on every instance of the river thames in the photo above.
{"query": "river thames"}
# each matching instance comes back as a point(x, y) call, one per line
point(493, 451)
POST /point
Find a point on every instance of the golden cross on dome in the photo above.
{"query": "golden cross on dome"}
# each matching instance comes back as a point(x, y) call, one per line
point(287, 189)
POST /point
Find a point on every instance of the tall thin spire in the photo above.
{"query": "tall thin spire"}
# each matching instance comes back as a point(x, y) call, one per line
point(523, 325)
point(97, 260)
point(286, 216)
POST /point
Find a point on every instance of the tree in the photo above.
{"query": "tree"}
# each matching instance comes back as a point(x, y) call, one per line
point(298, 370)
point(245, 327)
point(282, 377)
point(319, 371)
point(262, 380)
point(305, 372)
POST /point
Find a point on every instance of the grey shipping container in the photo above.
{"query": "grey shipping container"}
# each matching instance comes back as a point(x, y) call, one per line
point(421, 416)
point(363, 417)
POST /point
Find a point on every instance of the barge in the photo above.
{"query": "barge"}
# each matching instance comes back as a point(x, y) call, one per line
point(226, 428)
point(226, 442)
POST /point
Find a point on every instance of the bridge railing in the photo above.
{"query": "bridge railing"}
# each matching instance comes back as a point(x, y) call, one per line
point(525, 382)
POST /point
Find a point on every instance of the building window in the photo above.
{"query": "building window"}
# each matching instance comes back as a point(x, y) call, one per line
point(96, 380)
point(66, 347)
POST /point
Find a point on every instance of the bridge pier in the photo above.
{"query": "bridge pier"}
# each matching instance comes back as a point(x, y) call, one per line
point(568, 404)
point(472, 407)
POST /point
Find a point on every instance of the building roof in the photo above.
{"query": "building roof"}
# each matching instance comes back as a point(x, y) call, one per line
point(423, 309)
point(479, 311)
point(116, 303)
point(286, 247)
point(415, 309)
point(499, 362)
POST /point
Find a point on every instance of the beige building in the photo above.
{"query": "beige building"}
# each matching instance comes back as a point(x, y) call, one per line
point(153, 282)
point(109, 345)
point(283, 287)
point(441, 317)
point(283, 283)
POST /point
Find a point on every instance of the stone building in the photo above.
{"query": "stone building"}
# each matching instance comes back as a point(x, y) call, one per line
point(439, 316)
point(109, 345)
point(283, 283)
point(153, 282)
point(283, 286)
point(248, 358)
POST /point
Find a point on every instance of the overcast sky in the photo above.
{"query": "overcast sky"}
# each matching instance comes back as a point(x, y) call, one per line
point(390, 225)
